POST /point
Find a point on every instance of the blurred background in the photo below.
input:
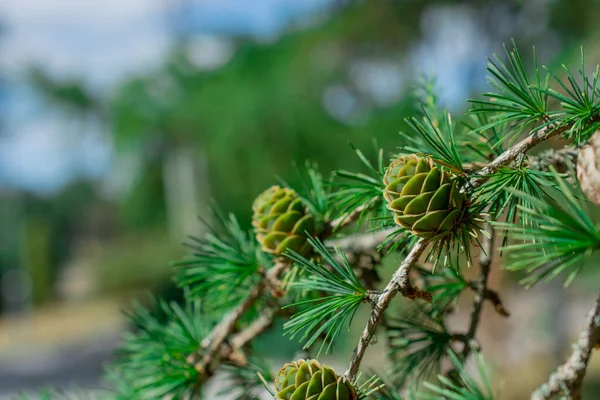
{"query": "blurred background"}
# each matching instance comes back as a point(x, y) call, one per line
point(121, 120)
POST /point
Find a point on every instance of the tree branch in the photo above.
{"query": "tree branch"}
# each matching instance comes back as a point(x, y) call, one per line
point(219, 346)
point(400, 279)
point(258, 326)
point(568, 378)
point(547, 132)
point(399, 282)
point(215, 343)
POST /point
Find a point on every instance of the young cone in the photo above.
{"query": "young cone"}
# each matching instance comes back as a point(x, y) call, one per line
point(424, 198)
point(308, 380)
point(281, 221)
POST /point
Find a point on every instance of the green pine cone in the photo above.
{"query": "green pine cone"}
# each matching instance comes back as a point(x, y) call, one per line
point(424, 198)
point(308, 380)
point(280, 221)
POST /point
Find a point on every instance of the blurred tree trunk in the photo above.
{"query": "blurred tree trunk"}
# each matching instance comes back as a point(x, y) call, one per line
point(187, 190)
point(37, 258)
point(15, 281)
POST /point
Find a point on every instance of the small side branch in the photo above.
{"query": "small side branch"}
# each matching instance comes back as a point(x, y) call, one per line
point(513, 152)
point(215, 344)
point(399, 282)
point(568, 378)
point(212, 344)
point(258, 326)
point(493, 297)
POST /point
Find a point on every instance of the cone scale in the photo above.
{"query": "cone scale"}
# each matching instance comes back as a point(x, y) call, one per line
point(308, 380)
point(281, 221)
point(423, 197)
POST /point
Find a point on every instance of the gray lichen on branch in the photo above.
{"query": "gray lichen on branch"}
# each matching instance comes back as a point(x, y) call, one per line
point(398, 282)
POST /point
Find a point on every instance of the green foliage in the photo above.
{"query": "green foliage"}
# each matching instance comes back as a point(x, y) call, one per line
point(561, 239)
point(418, 341)
point(227, 263)
point(313, 191)
point(517, 103)
point(468, 387)
point(580, 102)
point(482, 142)
point(224, 264)
point(356, 189)
point(434, 134)
point(152, 362)
point(251, 128)
point(387, 393)
point(434, 138)
point(427, 93)
point(71, 94)
point(144, 204)
point(120, 384)
point(498, 193)
point(342, 294)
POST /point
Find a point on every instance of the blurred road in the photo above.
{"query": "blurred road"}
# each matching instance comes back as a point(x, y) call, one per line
point(63, 347)
point(80, 364)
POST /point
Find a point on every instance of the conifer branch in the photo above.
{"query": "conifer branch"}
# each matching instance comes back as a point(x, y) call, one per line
point(568, 378)
point(211, 345)
point(258, 326)
point(215, 343)
point(548, 131)
point(493, 297)
point(399, 282)
point(518, 109)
